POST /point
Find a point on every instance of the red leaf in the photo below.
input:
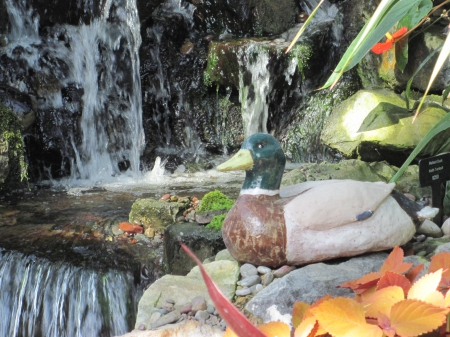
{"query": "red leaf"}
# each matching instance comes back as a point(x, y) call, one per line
point(393, 279)
point(234, 318)
point(362, 284)
point(385, 324)
point(382, 47)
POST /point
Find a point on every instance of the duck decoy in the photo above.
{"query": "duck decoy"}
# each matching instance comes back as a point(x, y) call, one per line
point(311, 221)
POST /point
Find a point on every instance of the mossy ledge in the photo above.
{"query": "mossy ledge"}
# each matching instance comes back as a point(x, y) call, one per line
point(13, 168)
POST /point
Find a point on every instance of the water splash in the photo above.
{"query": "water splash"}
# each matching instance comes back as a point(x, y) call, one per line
point(41, 298)
point(100, 131)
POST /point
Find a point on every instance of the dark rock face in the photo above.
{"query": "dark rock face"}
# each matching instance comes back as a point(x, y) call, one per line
point(203, 242)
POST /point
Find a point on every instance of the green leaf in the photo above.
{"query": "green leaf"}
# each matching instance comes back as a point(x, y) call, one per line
point(445, 94)
point(387, 14)
point(440, 126)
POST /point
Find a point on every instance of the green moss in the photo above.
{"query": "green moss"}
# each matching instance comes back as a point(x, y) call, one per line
point(213, 59)
point(11, 137)
point(302, 53)
point(214, 201)
point(216, 222)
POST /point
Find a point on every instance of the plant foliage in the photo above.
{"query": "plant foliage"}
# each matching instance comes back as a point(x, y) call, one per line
point(389, 302)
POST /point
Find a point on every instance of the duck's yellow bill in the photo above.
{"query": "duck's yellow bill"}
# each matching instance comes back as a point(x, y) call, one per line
point(242, 160)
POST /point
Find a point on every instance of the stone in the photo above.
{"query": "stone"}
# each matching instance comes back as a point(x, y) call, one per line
point(250, 281)
point(198, 303)
point(429, 228)
point(263, 270)
point(224, 255)
point(170, 317)
point(446, 227)
point(204, 242)
point(247, 270)
point(189, 328)
point(310, 283)
point(201, 315)
point(282, 271)
point(156, 214)
point(267, 279)
point(374, 125)
point(243, 292)
point(185, 288)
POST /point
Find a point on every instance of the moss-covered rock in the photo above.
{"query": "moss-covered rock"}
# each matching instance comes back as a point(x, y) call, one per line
point(156, 214)
point(215, 201)
point(375, 125)
point(13, 168)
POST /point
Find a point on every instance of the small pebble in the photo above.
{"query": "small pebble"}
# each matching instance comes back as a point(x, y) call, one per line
point(282, 271)
point(248, 269)
point(171, 317)
point(202, 315)
point(267, 279)
point(210, 309)
point(256, 288)
point(243, 292)
point(186, 309)
point(154, 317)
point(250, 281)
point(263, 270)
point(446, 227)
point(198, 303)
point(141, 327)
point(165, 197)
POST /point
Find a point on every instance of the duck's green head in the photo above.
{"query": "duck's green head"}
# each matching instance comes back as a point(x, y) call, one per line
point(263, 160)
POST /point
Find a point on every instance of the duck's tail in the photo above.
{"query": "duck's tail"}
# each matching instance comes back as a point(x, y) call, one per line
point(417, 212)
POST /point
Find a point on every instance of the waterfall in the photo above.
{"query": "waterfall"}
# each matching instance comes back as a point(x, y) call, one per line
point(55, 299)
point(87, 86)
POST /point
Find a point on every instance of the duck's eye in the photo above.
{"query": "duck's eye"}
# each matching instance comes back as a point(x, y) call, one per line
point(260, 145)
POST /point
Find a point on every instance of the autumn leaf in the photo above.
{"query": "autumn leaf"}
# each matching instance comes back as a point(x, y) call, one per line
point(412, 274)
point(412, 317)
point(382, 301)
point(309, 313)
point(344, 317)
point(234, 318)
point(438, 261)
point(425, 287)
point(307, 328)
point(394, 262)
point(298, 311)
point(385, 324)
point(393, 279)
point(275, 329)
point(364, 283)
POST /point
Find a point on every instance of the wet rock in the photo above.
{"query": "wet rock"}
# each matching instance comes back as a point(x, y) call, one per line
point(203, 218)
point(187, 48)
point(203, 242)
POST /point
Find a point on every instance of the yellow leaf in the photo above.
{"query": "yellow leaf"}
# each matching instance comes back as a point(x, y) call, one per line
point(425, 286)
point(436, 298)
point(447, 299)
point(229, 333)
point(412, 318)
point(339, 316)
point(382, 301)
point(275, 329)
point(366, 330)
point(307, 328)
point(298, 311)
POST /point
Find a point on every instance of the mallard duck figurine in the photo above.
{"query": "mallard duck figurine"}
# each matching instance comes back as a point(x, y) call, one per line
point(311, 221)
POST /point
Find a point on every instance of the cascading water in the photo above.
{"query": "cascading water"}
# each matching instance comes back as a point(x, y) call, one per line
point(86, 87)
point(43, 298)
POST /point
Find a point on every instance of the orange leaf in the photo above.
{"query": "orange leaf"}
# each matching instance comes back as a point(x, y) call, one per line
point(412, 318)
point(308, 313)
point(412, 274)
point(235, 319)
point(394, 279)
point(395, 263)
point(298, 311)
point(382, 301)
point(441, 260)
point(426, 285)
point(275, 329)
point(340, 316)
point(447, 299)
point(229, 333)
point(362, 284)
point(307, 328)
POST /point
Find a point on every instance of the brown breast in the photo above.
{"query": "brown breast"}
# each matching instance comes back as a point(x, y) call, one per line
point(254, 230)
